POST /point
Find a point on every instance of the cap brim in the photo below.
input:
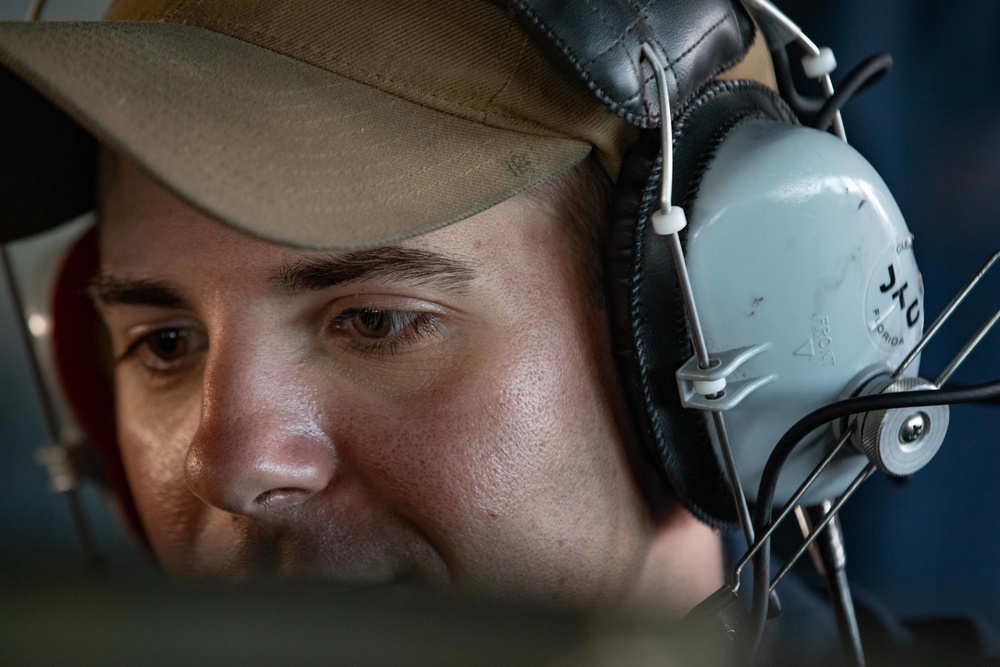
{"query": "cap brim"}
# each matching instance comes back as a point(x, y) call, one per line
point(278, 148)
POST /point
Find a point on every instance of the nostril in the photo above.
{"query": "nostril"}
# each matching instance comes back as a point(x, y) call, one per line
point(277, 498)
point(259, 462)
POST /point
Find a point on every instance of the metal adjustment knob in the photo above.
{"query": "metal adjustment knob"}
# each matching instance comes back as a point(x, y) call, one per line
point(902, 441)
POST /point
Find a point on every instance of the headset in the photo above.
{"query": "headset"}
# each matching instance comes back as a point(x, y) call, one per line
point(762, 283)
point(765, 302)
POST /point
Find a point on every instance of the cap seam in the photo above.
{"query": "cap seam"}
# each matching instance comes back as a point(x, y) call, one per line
point(510, 77)
point(496, 62)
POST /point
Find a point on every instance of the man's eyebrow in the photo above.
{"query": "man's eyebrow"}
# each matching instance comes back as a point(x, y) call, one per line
point(420, 267)
point(108, 290)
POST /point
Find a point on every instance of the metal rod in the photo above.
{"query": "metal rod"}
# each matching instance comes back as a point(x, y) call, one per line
point(789, 508)
point(666, 128)
point(869, 469)
point(48, 409)
point(84, 534)
point(791, 28)
point(684, 279)
point(847, 618)
point(826, 83)
point(943, 317)
point(694, 322)
point(666, 189)
point(35, 10)
point(795, 32)
point(739, 498)
point(831, 562)
point(805, 525)
point(966, 351)
point(80, 522)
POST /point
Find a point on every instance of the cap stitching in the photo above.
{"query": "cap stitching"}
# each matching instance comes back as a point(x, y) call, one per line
point(495, 64)
point(510, 77)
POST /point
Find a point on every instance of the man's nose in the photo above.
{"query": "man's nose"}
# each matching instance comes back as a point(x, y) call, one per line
point(258, 446)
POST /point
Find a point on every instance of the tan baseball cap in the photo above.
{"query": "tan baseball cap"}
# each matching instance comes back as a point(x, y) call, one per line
point(319, 123)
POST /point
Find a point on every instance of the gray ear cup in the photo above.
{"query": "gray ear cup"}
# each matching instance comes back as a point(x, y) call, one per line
point(646, 307)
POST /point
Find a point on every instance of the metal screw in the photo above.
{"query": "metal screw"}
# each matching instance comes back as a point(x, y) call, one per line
point(913, 428)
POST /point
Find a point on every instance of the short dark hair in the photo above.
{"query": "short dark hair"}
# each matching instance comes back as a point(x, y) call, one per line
point(581, 197)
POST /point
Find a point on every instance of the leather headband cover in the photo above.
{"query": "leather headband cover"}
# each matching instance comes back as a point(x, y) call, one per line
point(601, 41)
point(646, 309)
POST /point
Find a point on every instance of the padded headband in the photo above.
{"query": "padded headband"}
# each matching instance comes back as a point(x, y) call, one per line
point(601, 41)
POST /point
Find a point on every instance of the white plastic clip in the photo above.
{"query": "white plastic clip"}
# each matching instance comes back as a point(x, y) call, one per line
point(709, 387)
point(669, 221)
point(820, 64)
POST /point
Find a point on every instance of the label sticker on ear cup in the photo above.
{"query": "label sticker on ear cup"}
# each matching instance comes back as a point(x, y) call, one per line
point(894, 301)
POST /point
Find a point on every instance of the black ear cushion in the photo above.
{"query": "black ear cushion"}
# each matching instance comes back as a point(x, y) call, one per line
point(648, 324)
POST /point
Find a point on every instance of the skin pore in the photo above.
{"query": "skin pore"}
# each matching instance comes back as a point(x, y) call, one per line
point(444, 409)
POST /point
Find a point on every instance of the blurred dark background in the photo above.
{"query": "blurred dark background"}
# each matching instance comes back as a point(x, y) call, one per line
point(927, 546)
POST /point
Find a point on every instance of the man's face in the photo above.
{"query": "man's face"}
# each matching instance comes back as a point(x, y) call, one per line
point(443, 408)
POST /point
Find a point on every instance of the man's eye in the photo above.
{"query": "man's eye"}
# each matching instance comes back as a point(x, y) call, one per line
point(371, 323)
point(169, 345)
point(166, 349)
point(371, 330)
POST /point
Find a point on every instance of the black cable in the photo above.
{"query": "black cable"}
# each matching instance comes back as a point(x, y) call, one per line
point(804, 107)
point(867, 72)
point(992, 402)
point(791, 439)
point(822, 110)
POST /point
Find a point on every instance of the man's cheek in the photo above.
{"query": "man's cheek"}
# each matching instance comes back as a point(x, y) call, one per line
point(154, 432)
point(155, 427)
point(406, 376)
point(462, 456)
